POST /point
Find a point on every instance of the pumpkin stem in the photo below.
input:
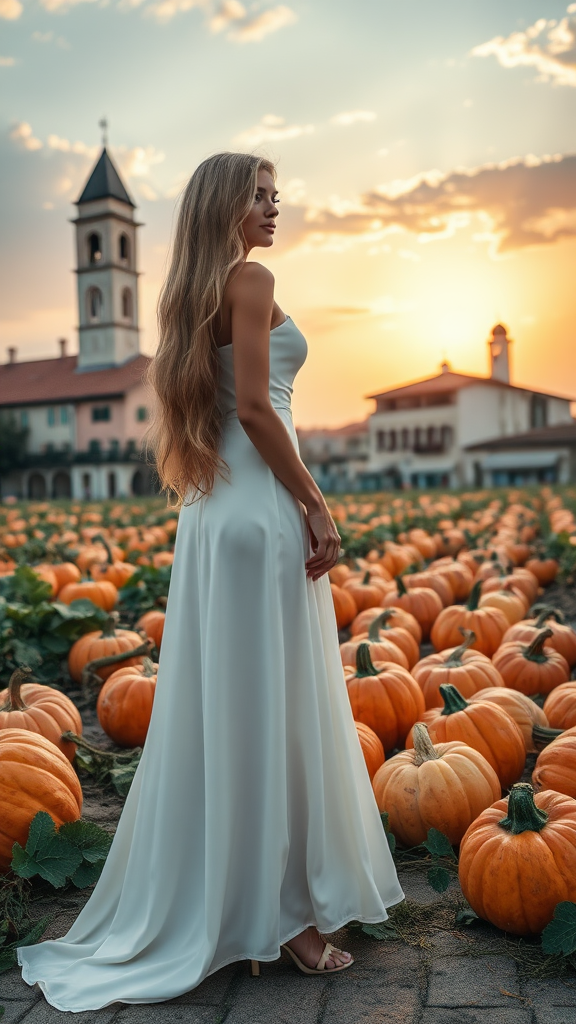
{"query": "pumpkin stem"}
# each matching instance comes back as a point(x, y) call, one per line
point(523, 814)
point(377, 624)
point(424, 749)
point(15, 700)
point(455, 658)
point(545, 612)
point(472, 602)
point(102, 755)
point(542, 735)
point(400, 586)
point(364, 666)
point(148, 667)
point(105, 545)
point(366, 578)
point(109, 627)
point(453, 699)
point(534, 651)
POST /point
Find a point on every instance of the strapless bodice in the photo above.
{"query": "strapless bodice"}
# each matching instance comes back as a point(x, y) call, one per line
point(288, 351)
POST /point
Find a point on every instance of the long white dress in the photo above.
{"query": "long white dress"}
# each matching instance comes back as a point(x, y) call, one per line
point(251, 815)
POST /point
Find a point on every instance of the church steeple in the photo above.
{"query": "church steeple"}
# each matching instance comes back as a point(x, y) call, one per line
point(106, 270)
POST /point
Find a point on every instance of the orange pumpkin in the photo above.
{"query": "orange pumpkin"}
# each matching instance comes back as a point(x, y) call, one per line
point(560, 706)
point(422, 602)
point(489, 625)
point(152, 623)
point(381, 648)
point(443, 786)
point(484, 726)
point(518, 860)
point(434, 581)
point(531, 668)
point(525, 712)
point(66, 572)
point(395, 617)
point(512, 603)
point(34, 776)
point(459, 576)
point(371, 748)
point(555, 766)
point(467, 670)
point(367, 590)
point(104, 594)
point(101, 644)
point(544, 569)
point(385, 697)
point(124, 704)
point(380, 628)
point(344, 606)
point(563, 637)
point(41, 709)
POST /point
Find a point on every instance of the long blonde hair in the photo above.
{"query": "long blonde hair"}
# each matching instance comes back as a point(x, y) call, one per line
point(186, 429)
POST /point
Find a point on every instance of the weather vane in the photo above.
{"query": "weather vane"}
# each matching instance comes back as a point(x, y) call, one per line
point(103, 124)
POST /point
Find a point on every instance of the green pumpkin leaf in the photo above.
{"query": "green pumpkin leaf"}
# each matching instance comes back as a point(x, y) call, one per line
point(560, 935)
point(381, 930)
point(92, 841)
point(466, 916)
point(438, 844)
point(26, 653)
point(438, 878)
point(87, 873)
point(46, 853)
point(55, 644)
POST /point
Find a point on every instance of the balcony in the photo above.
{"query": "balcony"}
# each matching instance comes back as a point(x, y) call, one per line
point(59, 458)
point(430, 448)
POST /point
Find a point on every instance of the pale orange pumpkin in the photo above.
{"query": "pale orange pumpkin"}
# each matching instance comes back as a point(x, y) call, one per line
point(467, 670)
point(442, 785)
point(385, 697)
point(531, 668)
point(371, 748)
point(344, 606)
point(422, 602)
point(124, 704)
point(34, 776)
point(41, 709)
point(525, 712)
point(100, 644)
point(489, 625)
point(152, 623)
point(104, 594)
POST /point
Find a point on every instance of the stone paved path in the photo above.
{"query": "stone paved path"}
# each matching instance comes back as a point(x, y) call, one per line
point(390, 983)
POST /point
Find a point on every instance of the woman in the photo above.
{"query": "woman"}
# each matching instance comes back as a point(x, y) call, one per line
point(251, 821)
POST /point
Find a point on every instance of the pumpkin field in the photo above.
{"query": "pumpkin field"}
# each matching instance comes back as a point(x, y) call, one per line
point(457, 624)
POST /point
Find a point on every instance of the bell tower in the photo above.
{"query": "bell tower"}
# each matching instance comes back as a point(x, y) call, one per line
point(499, 345)
point(106, 270)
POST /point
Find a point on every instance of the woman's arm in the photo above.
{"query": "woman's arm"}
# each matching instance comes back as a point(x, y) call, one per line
point(251, 297)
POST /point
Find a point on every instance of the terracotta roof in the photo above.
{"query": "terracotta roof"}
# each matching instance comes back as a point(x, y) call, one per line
point(103, 182)
point(452, 381)
point(540, 437)
point(38, 381)
point(361, 427)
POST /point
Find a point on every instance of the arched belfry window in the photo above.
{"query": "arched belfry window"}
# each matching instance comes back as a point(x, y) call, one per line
point(124, 248)
point(94, 248)
point(127, 304)
point(95, 304)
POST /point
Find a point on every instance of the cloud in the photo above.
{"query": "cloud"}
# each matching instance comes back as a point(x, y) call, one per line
point(22, 134)
point(352, 117)
point(7, 62)
point(255, 27)
point(271, 128)
point(65, 146)
point(519, 202)
point(548, 46)
point(165, 10)
point(10, 9)
point(226, 14)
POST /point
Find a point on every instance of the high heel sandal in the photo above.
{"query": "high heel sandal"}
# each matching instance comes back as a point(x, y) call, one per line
point(320, 966)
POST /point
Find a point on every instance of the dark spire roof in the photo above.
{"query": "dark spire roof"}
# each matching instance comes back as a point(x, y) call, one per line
point(103, 182)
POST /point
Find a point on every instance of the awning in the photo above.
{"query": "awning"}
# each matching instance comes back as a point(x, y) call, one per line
point(520, 460)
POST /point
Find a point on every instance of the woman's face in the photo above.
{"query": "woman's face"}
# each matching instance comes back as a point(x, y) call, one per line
point(258, 226)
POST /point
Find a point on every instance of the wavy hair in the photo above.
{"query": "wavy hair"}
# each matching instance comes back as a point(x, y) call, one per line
point(186, 429)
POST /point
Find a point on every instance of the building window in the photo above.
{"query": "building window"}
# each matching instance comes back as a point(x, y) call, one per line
point(114, 448)
point(51, 416)
point(127, 304)
point(538, 411)
point(405, 439)
point(124, 248)
point(392, 441)
point(141, 413)
point(94, 446)
point(446, 438)
point(94, 248)
point(431, 437)
point(381, 440)
point(63, 414)
point(95, 304)
point(101, 413)
point(24, 418)
point(418, 437)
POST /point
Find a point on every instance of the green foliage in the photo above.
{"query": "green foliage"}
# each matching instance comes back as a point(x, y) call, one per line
point(440, 848)
point(560, 935)
point(391, 838)
point(146, 588)
point(37, 632)
point(16, 925)
point(115, 770)
point(74, 852)
point(381, 930)
point(12, 443)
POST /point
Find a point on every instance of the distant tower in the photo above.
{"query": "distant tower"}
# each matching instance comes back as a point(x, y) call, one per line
point(499, 354)
point(106, 269)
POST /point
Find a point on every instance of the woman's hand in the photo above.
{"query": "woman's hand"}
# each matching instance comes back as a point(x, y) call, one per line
point(325, 541)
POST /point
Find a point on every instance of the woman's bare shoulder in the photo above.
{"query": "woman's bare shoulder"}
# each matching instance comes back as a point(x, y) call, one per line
point(248, 277)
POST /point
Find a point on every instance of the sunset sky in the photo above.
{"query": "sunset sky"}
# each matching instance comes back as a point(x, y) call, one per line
point(426, 158)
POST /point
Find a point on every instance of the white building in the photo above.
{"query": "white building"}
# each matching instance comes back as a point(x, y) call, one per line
point(337, 457)
point(429, 433)
point(86, 414)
